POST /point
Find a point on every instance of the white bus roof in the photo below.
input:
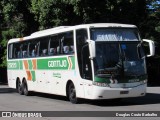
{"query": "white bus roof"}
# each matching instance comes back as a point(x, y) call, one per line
point(68, 28)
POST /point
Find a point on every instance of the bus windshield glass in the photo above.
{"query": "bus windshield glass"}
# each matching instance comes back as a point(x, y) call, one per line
point(116, 57)
point(122, 55)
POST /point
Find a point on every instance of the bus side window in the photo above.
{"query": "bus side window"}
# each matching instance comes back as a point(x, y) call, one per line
point(15, 53)
point(68, 43)
point(54, 45)
point(34, 48)
point(58, 50)
point(43, 49)
point(20, 51)
point(16, 50)
point(52, 51)
point(24, 49)
point(24, 54)
point(72, 49)
point(66, 49)
point(10, 51)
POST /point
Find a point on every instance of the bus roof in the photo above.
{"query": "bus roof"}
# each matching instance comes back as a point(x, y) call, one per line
point(107, 25)
point(68, 28)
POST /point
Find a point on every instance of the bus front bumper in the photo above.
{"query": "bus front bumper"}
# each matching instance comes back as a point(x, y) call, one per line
point(111, 93)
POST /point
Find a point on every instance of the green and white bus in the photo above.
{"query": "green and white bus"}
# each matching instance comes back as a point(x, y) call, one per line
point(90, 61)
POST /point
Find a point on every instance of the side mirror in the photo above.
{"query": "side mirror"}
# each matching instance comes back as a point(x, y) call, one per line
point(151, 47)
point(92, 48)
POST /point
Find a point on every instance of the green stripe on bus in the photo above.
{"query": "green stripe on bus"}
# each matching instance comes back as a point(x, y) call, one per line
point(30, 64)
point(54, 63)
point(73, 62)
point(44, 64)
point(33, 76)
point(20, 65)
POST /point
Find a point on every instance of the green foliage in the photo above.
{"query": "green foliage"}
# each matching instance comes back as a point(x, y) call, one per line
point(4, 59)
point(12, 26)
point(151, 27)
point(157, 28)
point(50, 13)
point(22, 17)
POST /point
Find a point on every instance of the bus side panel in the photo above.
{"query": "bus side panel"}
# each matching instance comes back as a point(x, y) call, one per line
point(11, 80)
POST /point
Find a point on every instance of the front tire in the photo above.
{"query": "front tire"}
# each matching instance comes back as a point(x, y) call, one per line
point(72, 94)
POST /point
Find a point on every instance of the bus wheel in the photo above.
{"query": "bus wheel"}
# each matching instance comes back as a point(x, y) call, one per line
point(19, 88)
point(25, 89)
point(72, 94)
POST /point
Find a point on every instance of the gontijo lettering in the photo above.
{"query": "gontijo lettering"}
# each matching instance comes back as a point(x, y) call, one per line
point(57, 63)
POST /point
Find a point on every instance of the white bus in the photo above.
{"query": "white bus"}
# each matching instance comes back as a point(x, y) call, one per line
point(90, 61)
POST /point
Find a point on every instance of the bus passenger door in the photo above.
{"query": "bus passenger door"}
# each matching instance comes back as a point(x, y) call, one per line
point(86, 72)
point(84, 62)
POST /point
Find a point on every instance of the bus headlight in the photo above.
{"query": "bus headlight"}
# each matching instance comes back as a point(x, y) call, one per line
point(100, 84)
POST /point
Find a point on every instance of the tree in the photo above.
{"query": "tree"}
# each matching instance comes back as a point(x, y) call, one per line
point(23, 17)
point(151, 24)
point(14, 16)
point(50, 13)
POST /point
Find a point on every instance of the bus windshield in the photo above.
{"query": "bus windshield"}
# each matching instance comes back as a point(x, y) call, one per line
point(113, 57)
point(116, 54)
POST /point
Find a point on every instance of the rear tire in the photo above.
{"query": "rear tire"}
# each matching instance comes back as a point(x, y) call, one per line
point(25, 89)
point(72, 94)
point(20, 88)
